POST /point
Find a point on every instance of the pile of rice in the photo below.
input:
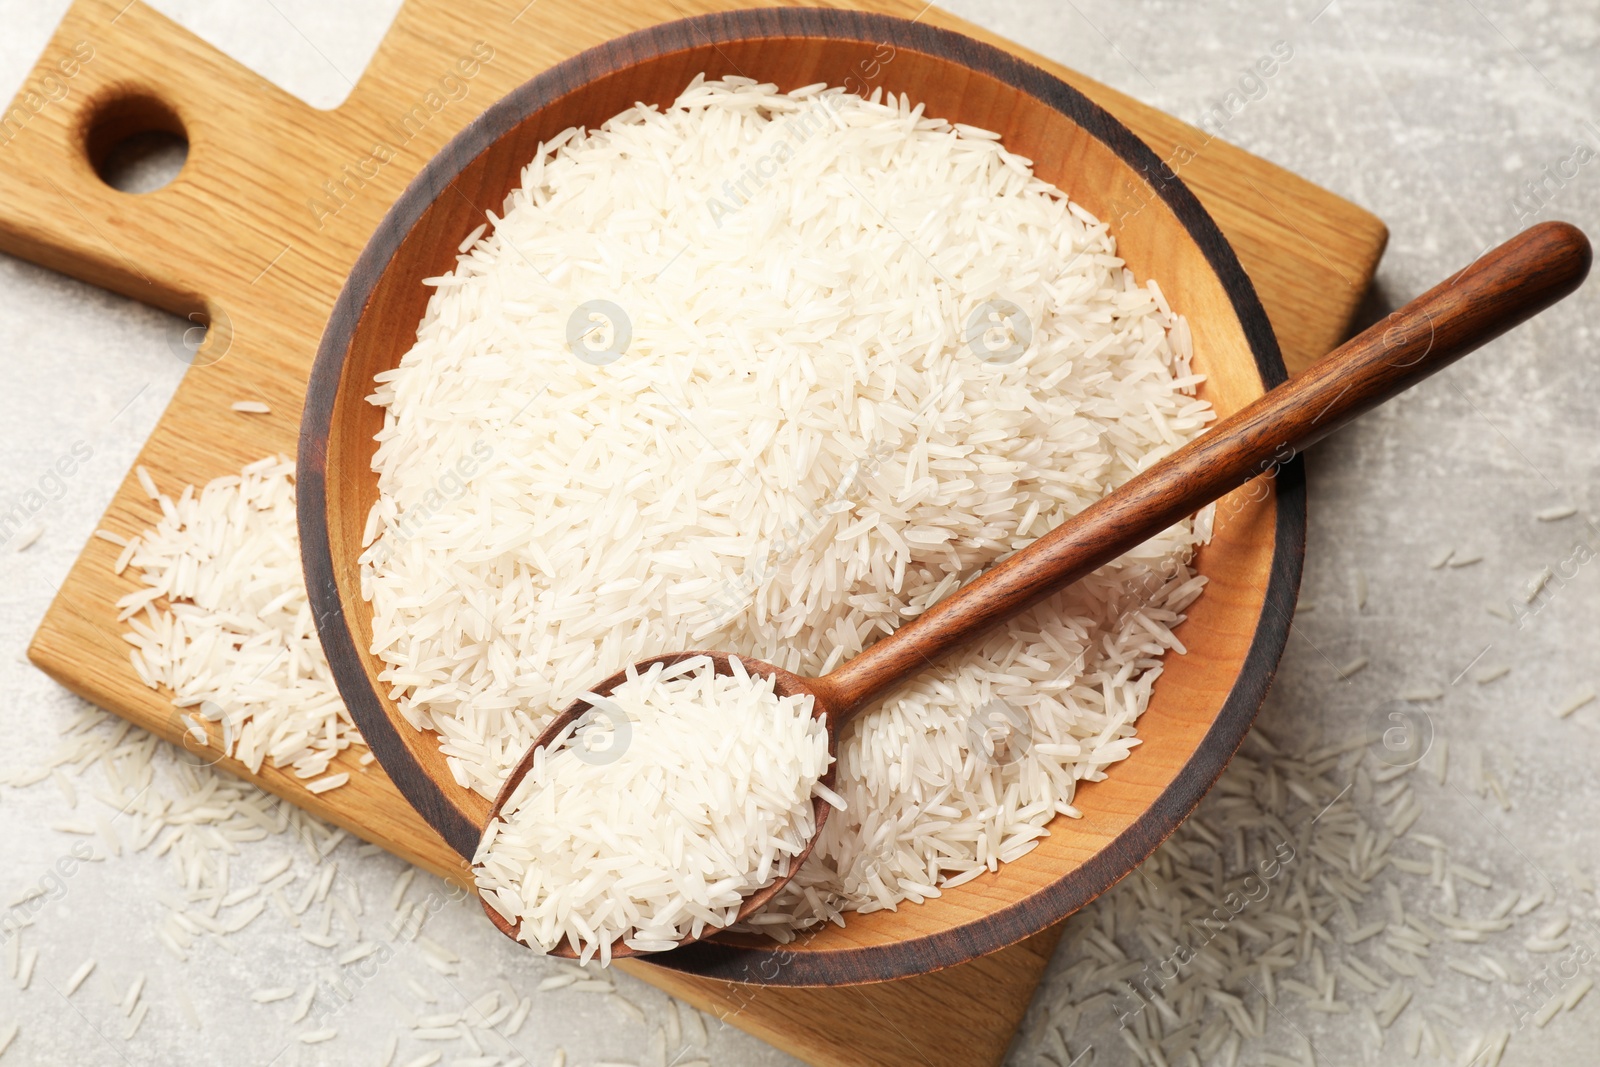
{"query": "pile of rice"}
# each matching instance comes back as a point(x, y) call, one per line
point(696, 793)
point(222, 620)
point(803, 427)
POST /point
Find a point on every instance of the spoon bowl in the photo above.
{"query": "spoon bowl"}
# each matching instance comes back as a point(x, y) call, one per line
point(785, 684)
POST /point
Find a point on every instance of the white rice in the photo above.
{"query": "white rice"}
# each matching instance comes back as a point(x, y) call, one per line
point(135, 1020)
point(700, 795)
point(235, 641)
point(1355, 666)
point(797, 452)
point(1577, 700)
point(131, 999)
point(79, 976)
point(1278, 885)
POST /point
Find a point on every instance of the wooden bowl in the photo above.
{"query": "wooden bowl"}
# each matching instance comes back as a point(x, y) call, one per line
point(1203, 702)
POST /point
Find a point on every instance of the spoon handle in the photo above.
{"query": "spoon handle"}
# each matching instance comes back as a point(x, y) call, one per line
point(1497, 291)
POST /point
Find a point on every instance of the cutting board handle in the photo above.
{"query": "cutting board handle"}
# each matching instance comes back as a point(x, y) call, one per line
point(112, 70)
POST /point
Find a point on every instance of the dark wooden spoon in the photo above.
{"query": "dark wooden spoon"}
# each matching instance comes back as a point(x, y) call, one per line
point(1501, 289)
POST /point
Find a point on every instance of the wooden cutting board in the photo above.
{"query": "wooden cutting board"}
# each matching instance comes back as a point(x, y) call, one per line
point(255, 237)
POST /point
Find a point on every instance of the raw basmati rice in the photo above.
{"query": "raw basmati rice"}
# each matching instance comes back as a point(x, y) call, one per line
point(699, 795)
point(79, 976)
point(797, 451)
point(131, 998)
point(1304, 875)
point(235, 641)
point(1353, 667)
point(135, 1020)
point(1575, 701)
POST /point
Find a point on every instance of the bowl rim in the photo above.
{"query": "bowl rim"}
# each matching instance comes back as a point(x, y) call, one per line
point(779, 964)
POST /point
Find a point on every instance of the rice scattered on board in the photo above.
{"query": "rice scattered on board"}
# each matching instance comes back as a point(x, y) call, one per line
point(146, 482)
point(696, 788)
point(235, 641)
point(797, 450)
point(251, 407)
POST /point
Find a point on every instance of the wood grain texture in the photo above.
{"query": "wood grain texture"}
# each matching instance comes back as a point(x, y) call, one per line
point(1074, 144)
point(239, 240)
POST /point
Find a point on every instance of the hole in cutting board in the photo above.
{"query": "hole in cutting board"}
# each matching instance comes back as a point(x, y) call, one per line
point(136, 144)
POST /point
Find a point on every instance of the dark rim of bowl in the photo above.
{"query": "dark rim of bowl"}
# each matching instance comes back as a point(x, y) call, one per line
point(777, 964)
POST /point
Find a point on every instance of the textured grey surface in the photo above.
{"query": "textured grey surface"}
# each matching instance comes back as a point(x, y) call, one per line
point(1431, 115)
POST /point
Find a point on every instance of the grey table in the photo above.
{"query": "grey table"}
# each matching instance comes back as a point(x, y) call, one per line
point(1435, 116)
